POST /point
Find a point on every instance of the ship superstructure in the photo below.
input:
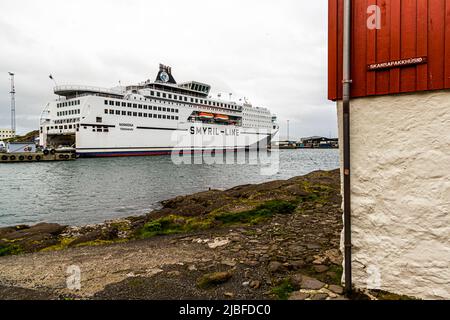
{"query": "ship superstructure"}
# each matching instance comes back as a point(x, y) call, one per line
point(151, 118)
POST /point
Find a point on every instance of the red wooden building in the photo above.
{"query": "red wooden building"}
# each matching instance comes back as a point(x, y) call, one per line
point(409, 29)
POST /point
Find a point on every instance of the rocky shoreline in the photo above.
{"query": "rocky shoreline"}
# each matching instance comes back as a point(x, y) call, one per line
point(277, 240)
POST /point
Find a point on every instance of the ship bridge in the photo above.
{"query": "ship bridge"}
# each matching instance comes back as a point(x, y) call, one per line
point(197, 87)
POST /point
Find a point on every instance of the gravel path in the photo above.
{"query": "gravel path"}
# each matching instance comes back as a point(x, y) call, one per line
point(99, 266)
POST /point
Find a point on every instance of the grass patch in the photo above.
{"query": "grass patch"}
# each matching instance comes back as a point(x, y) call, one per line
point(261, 213)
point(283, 290)
point(178, 225)
point(317, 193)
point(164, 226)
point(96, 243)
point(10, 249)
point(60, 246)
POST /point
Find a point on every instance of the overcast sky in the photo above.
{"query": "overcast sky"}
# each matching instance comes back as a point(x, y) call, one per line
point(273, 52)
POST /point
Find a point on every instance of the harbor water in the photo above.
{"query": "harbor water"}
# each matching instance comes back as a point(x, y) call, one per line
point(90, 191)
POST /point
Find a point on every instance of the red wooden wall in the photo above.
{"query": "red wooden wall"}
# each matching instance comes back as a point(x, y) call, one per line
point(409, 29)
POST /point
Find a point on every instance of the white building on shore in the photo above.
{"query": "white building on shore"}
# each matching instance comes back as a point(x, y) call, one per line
point(6, 133)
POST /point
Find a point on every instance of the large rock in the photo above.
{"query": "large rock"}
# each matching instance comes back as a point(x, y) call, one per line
point(336, 289)
point(41, 229)
point(296, 296)
point(319, 296)
point(312, 284)
point(34, 238)
point(5, 231)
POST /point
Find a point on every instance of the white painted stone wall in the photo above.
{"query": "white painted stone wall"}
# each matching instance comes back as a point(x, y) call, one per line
point(400, 160)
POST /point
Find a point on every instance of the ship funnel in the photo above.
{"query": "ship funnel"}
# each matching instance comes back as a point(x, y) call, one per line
point(165, 75)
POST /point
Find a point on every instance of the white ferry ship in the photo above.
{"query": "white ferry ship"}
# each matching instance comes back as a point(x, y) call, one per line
point(152, 118)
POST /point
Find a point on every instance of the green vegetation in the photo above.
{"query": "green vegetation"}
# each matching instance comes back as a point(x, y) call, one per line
point(95, 243)
point(283, 290)
point(175, 224)
point(257, 215)
point(121, 226)
point(65, 242)
point(335, 274)
point(317, 193)
point(9, 249)
point(164, 226)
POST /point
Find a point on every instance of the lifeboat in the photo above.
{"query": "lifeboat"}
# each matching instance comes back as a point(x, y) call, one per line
point(222, 117)
point(206, 115)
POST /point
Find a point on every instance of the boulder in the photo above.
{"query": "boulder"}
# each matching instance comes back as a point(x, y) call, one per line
point(39, 231)
point(297, 295)
point(336, 289)
point(311, 284)
point(319, 296)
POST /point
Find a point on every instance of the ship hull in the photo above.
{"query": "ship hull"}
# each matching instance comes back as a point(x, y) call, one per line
point(111, 153)
point(190, 139)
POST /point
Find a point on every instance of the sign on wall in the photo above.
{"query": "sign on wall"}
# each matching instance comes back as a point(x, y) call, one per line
point(397, 63)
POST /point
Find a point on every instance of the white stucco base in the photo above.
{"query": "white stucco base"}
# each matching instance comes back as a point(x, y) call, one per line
point(400, 162)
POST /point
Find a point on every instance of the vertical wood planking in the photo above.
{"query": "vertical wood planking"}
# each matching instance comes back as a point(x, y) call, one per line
point(410, 28)
point(408, 44)
point(422, 43)
point(383, 43)
point(371, 56)
point(332, 47)
point(359, 44)
point(436, 46)
point(447, 45)
point(395, 46)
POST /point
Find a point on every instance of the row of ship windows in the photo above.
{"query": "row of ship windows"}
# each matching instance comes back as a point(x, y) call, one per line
point(255, 126)
point(140, 114)
point(174, 103)
point(185, 99)
point(64, 127)
point(67, 120)
point(257, 121)
point(77, 127)
point(68, 103)
point(193, 100)
point(255, 115)
point(68, 112)
point(139, 106)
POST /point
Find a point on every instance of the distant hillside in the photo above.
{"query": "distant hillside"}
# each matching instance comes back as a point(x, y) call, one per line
point(30, 136)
